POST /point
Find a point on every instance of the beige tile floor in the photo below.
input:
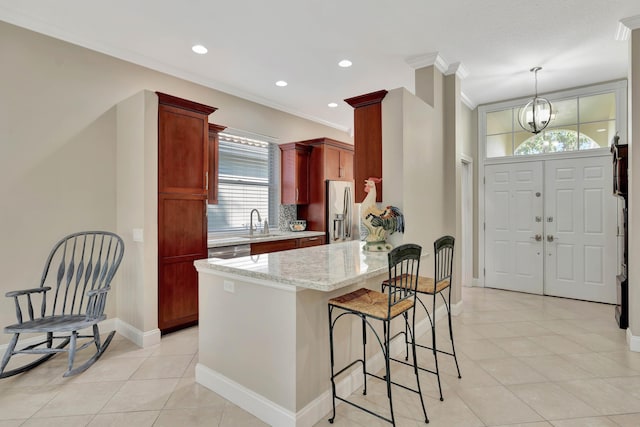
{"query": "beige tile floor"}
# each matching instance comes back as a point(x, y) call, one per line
point(526, 361)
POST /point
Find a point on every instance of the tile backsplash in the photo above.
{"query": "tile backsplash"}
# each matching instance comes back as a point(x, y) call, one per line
point(287, 213)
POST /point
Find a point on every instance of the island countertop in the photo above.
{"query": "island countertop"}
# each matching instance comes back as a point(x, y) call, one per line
point(322, 268)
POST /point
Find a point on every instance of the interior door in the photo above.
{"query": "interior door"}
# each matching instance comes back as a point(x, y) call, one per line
point(580, 225)
point(514, 227)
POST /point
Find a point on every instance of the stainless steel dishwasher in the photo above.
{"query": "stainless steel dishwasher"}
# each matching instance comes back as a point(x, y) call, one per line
point(234, 251)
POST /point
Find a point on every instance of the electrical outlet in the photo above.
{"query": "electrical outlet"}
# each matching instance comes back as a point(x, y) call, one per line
point(229, 286)
point(138, 235)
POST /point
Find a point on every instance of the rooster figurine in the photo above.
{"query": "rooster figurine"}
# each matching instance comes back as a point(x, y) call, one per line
point(379, 222)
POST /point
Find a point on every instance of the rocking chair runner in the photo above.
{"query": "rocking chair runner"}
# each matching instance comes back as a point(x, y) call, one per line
point(72, 294)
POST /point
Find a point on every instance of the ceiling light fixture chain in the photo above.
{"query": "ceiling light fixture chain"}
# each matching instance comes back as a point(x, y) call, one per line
point(537, 113)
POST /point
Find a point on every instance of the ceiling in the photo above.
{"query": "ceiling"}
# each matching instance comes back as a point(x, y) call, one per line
point(254, 43)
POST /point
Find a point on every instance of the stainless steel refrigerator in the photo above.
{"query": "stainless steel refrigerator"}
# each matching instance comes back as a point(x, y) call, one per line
point(342, 213)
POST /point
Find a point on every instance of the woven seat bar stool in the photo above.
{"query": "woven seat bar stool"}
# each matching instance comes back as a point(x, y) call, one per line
point(434, 286)
point(370, 305)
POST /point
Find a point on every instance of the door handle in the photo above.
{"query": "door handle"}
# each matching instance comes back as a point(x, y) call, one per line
point(537, 237)
point(550, 238)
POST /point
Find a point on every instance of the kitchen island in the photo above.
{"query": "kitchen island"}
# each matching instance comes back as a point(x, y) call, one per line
point(263, 330)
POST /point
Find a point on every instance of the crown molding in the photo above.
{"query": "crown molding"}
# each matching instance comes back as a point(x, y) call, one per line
point(458, 69)
point(427, 60)
point(366, 99)
point(625, 26)
point(466, 101)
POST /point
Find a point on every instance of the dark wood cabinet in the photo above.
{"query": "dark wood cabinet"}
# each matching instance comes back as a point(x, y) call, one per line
point(273, 246)
point(367, 125)
point(212, 193)
point(183, 185)
point(329, 160)
point(294, 174)
point(284, 245)
point(620, 189)
point(306, 242)
point(338, 162)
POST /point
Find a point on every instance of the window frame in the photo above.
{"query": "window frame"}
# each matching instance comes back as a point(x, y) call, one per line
point(273, 184)
point(618, 87)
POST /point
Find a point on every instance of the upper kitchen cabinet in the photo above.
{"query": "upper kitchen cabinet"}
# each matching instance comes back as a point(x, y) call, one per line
point(367, 140)
point(294, 173)
point(330, 160)
point(338, 160)
point(214, 141)
point(183, 145)
point(183, 184)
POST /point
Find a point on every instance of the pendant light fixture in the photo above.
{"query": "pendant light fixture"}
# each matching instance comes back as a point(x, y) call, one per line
point(536, 115)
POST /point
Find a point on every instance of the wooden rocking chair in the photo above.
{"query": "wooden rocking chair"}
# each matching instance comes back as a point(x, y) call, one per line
point(78, 273)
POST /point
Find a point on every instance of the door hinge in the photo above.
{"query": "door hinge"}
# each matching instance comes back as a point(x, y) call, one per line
point(484, 272)
point(484, 225)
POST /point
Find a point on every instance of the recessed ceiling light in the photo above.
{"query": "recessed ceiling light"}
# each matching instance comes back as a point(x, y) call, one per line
point(601, 130)
point(199, 49)
point(345, 63)
point(332, 105)
point(281, 83)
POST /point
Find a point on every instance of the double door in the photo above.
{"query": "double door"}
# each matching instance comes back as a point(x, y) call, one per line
point(550, 228)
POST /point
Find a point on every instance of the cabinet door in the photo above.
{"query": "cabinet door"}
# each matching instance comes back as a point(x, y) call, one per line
point(183, 151)
point(273, 246)
point(182, 239)
point(338, 163)
point(346, 164)
point(305, 242)
point(332, 168)
point(294, 174)
point(212, 183)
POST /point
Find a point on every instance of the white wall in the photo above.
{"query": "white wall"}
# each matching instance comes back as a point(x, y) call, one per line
point(58, 167)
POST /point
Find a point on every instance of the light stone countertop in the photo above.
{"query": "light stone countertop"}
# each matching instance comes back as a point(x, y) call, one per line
point(214, 241)
point(322, 268)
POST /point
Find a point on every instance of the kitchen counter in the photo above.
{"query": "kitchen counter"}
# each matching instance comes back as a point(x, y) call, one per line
point(214, 241)
point(322, 268)
point(263, 329)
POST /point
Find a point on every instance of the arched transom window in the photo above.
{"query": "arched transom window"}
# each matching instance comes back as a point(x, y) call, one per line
point(579, 122)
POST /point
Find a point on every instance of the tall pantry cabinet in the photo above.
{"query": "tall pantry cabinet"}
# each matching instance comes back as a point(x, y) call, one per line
point(183, 185)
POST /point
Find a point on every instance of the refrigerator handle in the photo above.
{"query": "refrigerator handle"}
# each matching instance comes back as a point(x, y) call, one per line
point(347, 212)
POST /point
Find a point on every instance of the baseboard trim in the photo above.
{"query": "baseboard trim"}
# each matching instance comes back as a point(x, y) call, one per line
point(141, 339)
point(315, 410)
point(248, 400)
point(633, 341)
point(135, 335)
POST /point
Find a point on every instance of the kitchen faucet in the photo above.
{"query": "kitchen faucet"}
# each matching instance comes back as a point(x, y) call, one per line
point(251, 220)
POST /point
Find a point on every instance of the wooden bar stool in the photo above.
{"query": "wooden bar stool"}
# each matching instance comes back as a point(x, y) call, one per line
point(367, 304)
point(433, 286)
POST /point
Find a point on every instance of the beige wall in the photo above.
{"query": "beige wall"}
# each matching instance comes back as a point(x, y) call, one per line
point(412, 163)
point(58, 133)
point(416, 167)
point(469, 126)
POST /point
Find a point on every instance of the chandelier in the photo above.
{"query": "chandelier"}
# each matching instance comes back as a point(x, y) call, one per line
point(536, 115)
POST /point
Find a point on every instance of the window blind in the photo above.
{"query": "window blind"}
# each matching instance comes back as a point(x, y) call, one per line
point(245, 182)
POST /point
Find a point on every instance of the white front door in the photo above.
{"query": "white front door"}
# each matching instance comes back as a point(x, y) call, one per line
point(580, 229)
point(514, 227)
